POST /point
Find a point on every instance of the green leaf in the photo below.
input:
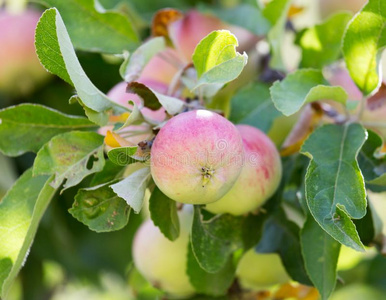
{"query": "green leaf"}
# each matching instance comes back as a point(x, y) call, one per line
point(366, 226)
point(301, 87)
point(214, 240)
point(371, 167)
point(320, 252)
point(20, 213)
point(132, 188)
point(252, 105)
point(217, 61)
point(335, 188)
point(57, 55)
point(363, 42)
point(100, 209)
point(276, 13)
point(214, 284)
point(282, 236)
point(133, 66)
point(92, 28)
point(247, 16)
point(154, 100)
point(321, 43)
point(163, 212)
point(72, 156)
point(33, 125)
point(110, 172)
point(122, 156)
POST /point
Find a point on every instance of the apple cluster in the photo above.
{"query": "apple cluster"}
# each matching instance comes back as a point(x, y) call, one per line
point(198, 157)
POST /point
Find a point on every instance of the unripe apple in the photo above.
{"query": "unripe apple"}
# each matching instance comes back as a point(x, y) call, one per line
point(257, 271)
point(161, 261)
point(258, 179)
point(197, 157)
point(20, 69)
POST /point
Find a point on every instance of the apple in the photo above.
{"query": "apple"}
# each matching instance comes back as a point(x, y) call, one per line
point(371, 115)
point(259, 178)
point(328, 7)
point(197, 157)
point(20, 69)
point(188, 31)
point(161, 261)
point(358, 291)
point(259, 271)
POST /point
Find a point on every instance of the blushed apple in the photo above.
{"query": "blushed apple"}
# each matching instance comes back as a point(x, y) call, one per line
point(20, 69)
point(374, 112)
point(258, 271)
point(328, 7)
point(197, 157)
point(259, 177)
point(161, 261)
point(188, 31)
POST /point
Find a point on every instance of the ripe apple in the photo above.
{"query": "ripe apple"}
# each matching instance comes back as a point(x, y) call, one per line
point(20, 69)
point(371, 116)
point(328, 7)
point(162, 262)
point(197, 157)
point(259, 177)
point(188, 31)
point(258, 271)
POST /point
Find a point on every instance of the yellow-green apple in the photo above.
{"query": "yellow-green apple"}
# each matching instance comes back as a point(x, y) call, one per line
point(258, 271)
point(161, 261)
point(20, 69)
point(197, 157)
point(259, 177)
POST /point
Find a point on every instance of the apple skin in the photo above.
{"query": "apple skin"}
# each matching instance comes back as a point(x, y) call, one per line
point(161, 261)
point(197, 157)
point(340, 76)
point(258, 271)
point(328, 7)
point(188, 31)
point(259, 177)
point(20, 69)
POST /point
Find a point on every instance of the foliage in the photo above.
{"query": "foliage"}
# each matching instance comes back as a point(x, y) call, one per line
point(100, 162)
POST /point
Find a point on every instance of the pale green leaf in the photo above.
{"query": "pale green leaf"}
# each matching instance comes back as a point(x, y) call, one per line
point(132, 188)
point(276, 12)
point(133, 66)
point(56, 53)
point(217, 62)
point(301, 87)
point(363, 42)
point(72, 156)
point(21, 210)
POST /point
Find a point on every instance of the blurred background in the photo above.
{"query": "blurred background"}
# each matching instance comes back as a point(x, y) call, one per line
point(67, 260)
